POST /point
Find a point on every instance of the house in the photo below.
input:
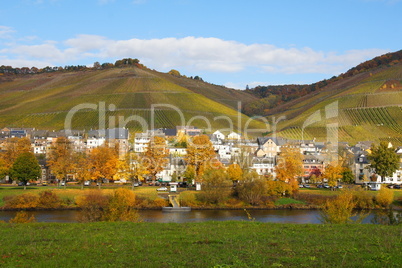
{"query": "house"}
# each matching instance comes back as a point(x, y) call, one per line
point(269, 147)
point(312, 164)
point(142, 140)
point(234, 136)
point(218, 135)
point(264, 165)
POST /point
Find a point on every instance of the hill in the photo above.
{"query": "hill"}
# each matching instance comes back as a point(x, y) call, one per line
point(43, 100)
point(366, 105)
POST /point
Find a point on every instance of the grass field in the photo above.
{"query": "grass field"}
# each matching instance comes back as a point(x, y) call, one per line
point(207, 244)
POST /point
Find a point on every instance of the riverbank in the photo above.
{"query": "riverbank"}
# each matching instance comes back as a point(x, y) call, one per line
point(206, 244)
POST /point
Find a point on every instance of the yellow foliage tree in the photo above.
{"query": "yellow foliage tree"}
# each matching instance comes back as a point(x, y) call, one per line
point(15, 147)
point(200, 154)
point(61, 161)
point(83, 168)
point(333, 173)
point(289, 167)
point(104, 162)
point(156, 156)
point(385, 197)
point(235, 173)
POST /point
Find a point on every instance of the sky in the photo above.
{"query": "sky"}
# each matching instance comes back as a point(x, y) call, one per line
point(226, 42)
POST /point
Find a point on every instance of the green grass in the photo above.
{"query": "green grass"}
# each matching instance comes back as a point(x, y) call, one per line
point(207, 244)
point(287, 201)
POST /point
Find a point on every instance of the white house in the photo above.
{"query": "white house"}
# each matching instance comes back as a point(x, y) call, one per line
point(234, 136)
point(218, 135)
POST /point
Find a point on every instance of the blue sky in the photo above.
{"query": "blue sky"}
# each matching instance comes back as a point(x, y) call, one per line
point(226, 42)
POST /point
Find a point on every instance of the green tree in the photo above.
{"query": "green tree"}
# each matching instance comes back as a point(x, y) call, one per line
point(347, 176)
point(384, 160)
point(25, 168)
point(189, 174)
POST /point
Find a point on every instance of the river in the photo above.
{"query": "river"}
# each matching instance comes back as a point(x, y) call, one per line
point(278, 216)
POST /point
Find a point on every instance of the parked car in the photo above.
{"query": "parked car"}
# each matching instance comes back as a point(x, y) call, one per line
point(21, 184)
point(390, 186)
point(62, 183)
point(326, 185)
point(397, 186)
point(339, 186)
point(44, 183)
point(162, 189)
point(87, 183)
point(306, 185)
point(301, 186)
point(320, 186)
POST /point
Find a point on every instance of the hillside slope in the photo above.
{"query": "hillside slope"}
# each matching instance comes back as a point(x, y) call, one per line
point(128, 94)
point(368, 106)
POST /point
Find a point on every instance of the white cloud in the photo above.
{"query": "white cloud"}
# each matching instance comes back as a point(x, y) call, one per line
point(5, 32)
point(192, 54)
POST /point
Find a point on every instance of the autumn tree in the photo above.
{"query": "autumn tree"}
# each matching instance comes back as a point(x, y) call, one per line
point(136, 168)
point(235, 173)
point(333, 173)
point(252, 188)
point(25, 168)
point(384, 160)
point(216, 186)
point(15, 147)
point(83, 168)
point(104, 162)
point(289, 167)
point(60, 158)
point(156, 156)
point(347, 175)
point(189, 174)
point(200, 153)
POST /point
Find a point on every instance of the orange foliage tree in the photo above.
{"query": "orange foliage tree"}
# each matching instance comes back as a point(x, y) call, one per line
point(289, 167)
point(104, 162)
point(200, 153)
point(156, 156)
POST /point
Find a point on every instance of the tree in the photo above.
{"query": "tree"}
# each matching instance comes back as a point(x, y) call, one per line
point(252, 188)
point(104, 162)
point(26, 168)
point(156, 156)
point(384, 160)
point(289, 167)
point(235, 173)
point(189, 174)
point(347, 175)
point(333, 173)
point(82, 168)
point(14, 148)
point(216, 186)
point(200, 152)
point(61, 160)
point(136, 168)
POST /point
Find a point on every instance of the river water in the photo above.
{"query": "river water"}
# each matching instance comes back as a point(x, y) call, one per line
point(278, 216)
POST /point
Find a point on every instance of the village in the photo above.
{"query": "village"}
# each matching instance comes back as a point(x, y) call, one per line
point(260, 155)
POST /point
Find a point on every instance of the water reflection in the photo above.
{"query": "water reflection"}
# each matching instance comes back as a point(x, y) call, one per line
point(278, 216)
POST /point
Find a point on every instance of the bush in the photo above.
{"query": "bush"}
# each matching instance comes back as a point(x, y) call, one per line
point(187, 199)
point(120, 206)
point(160, 202)
point(314, 199)
point(362, 198)
point(22, 217)
point(339, 210)
point(48, 199)
point(23, 201)
point(385, 197)
point(92, 205)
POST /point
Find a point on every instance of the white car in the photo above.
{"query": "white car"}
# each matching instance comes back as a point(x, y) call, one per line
point(87, 183)
point(162, 189)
